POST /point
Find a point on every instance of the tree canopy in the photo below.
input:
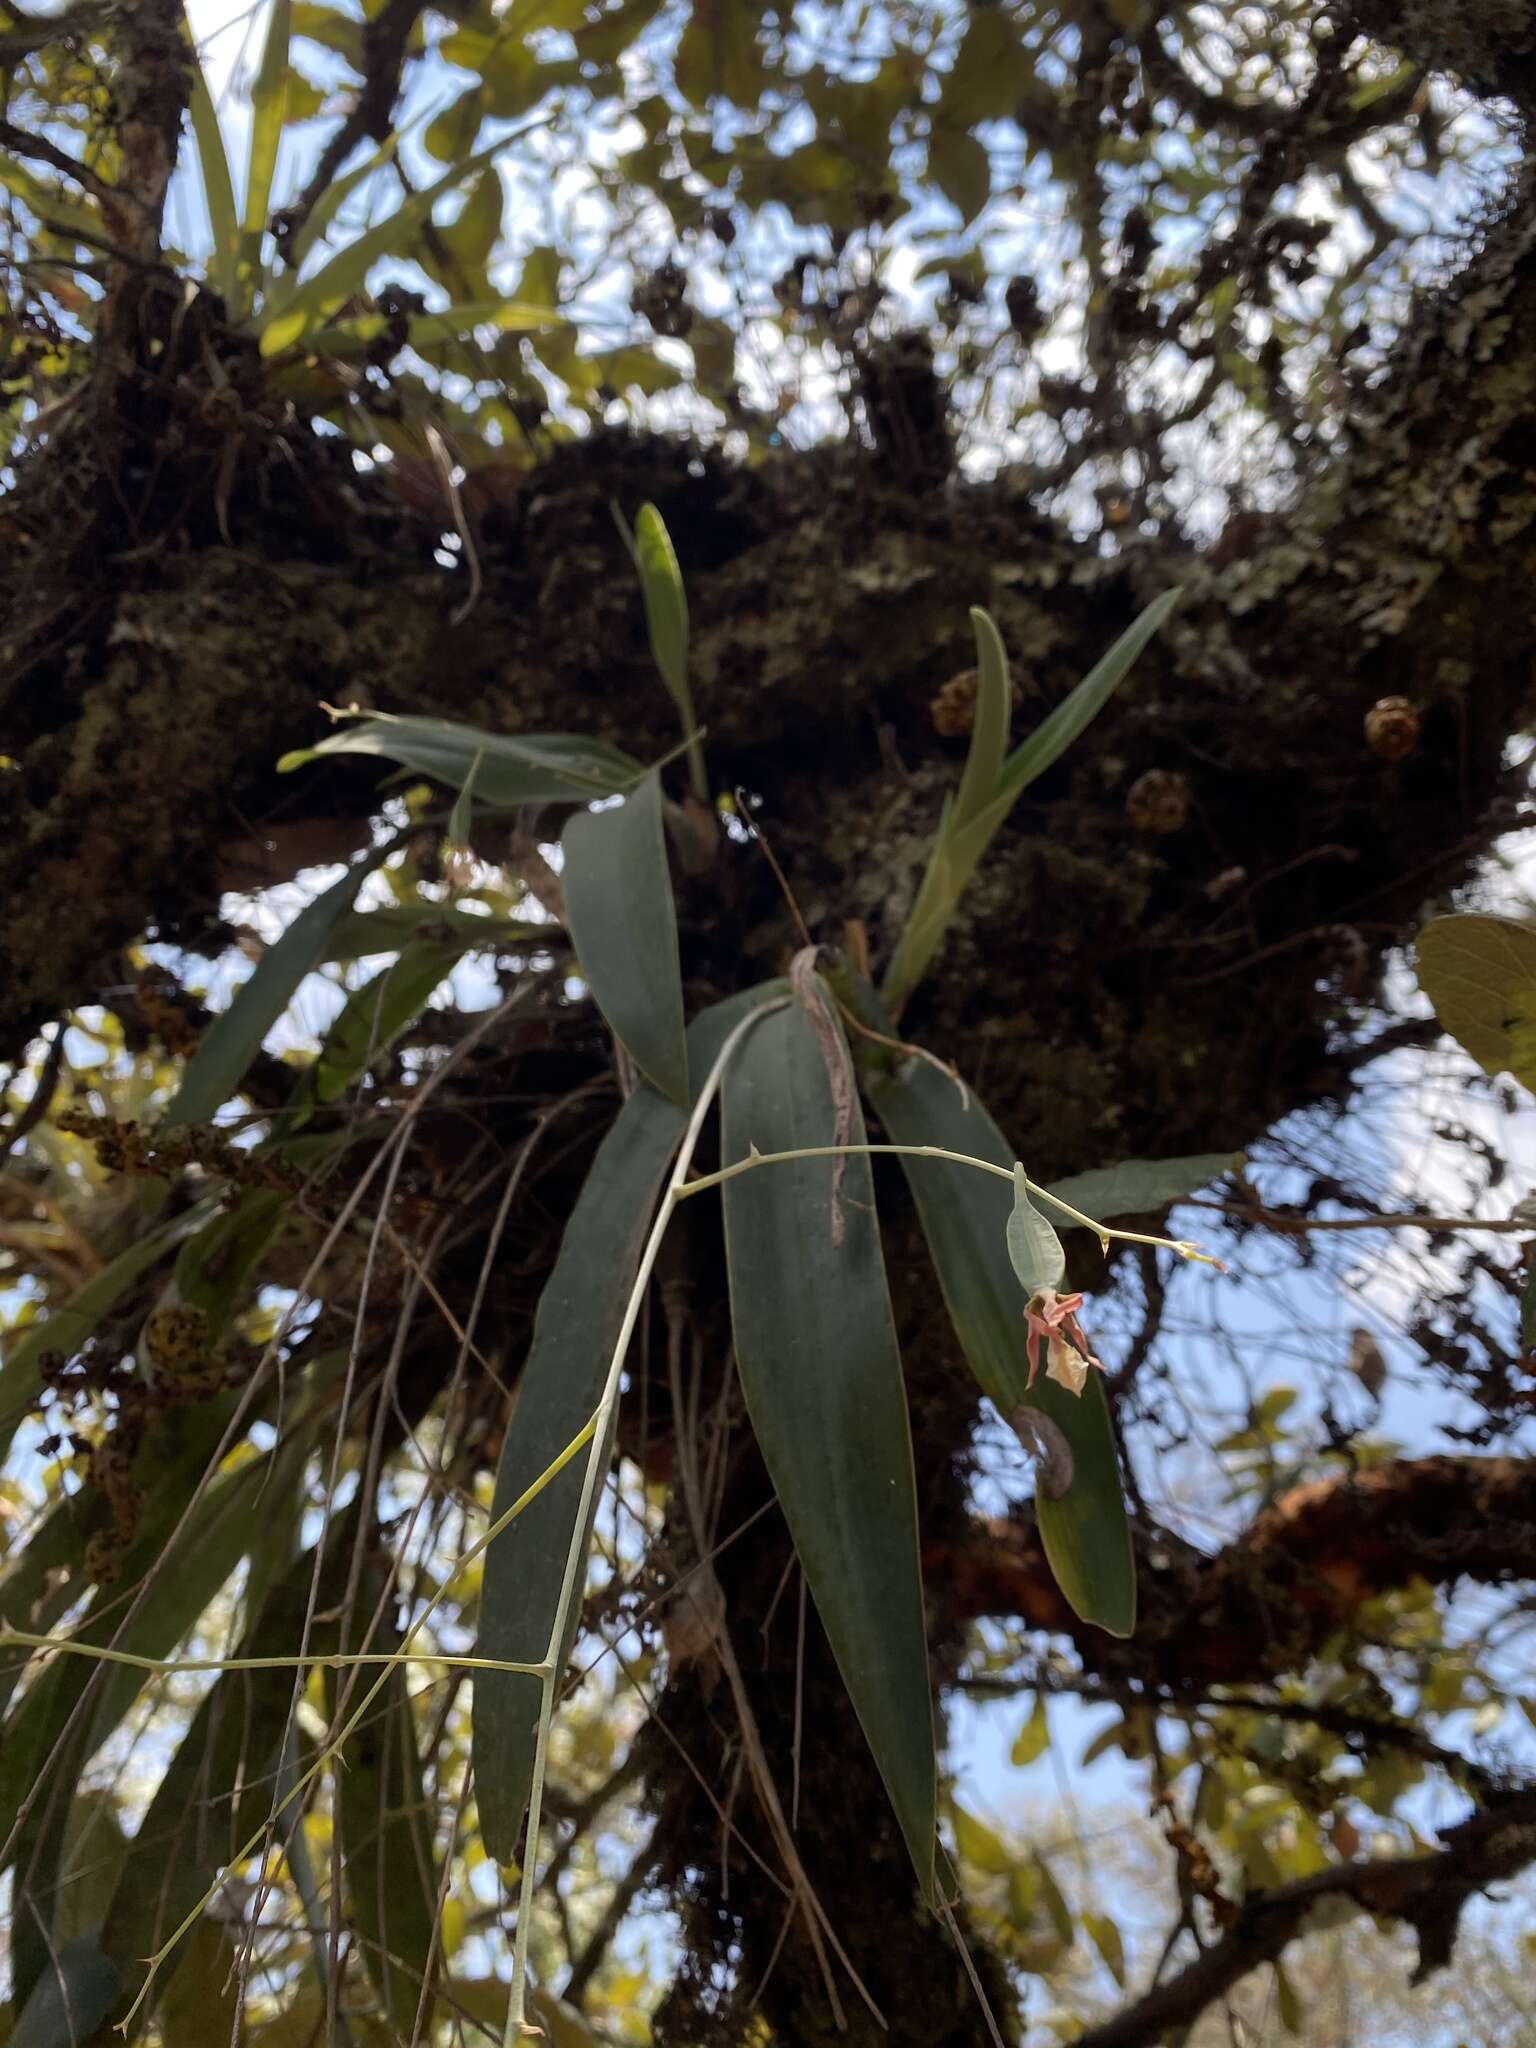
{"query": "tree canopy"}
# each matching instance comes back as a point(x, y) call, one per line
point(766, 990)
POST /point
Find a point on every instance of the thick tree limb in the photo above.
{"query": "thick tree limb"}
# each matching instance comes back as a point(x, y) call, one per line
point(1428, 1892)
point(1270, 1600)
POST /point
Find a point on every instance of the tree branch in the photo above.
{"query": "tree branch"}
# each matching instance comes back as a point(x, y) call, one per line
point(1271, 1599)
point(1428, 1892)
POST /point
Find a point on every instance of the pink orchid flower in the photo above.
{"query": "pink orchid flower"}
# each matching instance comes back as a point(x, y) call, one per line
point(1051, 1321)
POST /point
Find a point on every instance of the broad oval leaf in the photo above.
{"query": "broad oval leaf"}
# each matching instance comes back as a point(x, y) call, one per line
point(577, 1325)
point(508, 770)
point(623, 922)
point(965, 1217)
point(1479, 971)
point(821, 1371)
point(1034, 1249)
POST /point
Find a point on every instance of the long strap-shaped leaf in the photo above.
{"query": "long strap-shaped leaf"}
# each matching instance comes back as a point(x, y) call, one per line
point(387, 1844)
point(580, 1315)
point(821, 1370)
point(622, 919)
point(234, 1038)
point(965, 1220)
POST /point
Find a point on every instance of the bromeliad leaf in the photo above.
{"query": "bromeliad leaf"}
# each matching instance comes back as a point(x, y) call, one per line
point(1033, 1246)
point(543, 768)
point(821, 1371)
point(619, 907)
point(965, 1216)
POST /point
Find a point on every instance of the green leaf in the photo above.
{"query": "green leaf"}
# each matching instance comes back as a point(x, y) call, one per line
point(66, 1328)
point(965, 1217)
point(1034, 1738)
point(461, 820)
point(470, 238)
point(979, 1845)
point(348, 270)
point(269, 110)
point(1106, 1938)
point(312, 233)
point(46, 1741)
point(387, 1847)
point(963, 840)
point(1140, 1187)
point(1071, 718)
point(623, 922)
point(234, 1742)
point(428, 333)
point(577, 1325)
point(213, 1268)
point(374, 1015)
point(1034, 1249)
point(1055, 1904)
point(986, 81)
point(527, 769)
point(360, 933)
point(68, 2003)
point(961, 168)
point(821, 1371)
point(1292, 2015)
point(717, 55)
point(232, 1041)
point(218, 188)
point(666, 603)
point(989, 731)
point(1479, 971)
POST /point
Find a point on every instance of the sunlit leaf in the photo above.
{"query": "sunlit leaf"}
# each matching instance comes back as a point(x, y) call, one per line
point(1106, 1937)
point(268, 111)
point(1479, 971)
point(218, 187)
